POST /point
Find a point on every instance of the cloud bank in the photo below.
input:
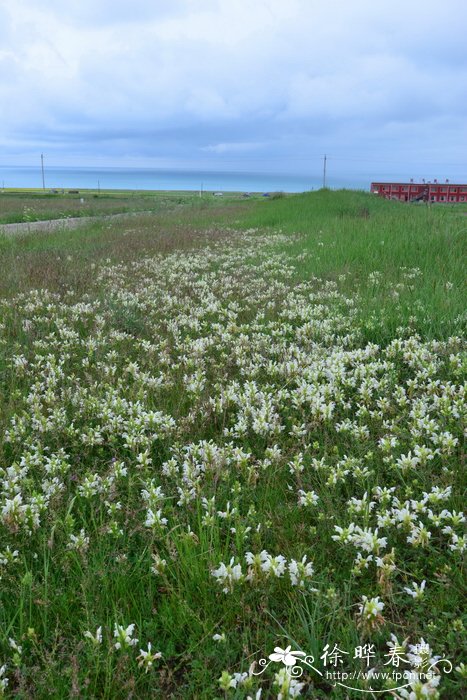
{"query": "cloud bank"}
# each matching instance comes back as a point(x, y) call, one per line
point(269, 85)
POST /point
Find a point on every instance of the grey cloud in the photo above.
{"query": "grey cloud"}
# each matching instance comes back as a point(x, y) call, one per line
point(234, 81)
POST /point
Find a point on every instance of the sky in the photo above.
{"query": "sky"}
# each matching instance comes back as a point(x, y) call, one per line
point(239, 85)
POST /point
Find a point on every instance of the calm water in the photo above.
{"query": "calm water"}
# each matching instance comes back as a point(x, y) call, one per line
point(155, 179)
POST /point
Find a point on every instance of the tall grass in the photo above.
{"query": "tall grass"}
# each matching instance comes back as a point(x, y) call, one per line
point(355, 234)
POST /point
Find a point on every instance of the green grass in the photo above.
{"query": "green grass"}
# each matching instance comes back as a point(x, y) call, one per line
point(265, 300)
point(353, 234)
point(341, 232)
point(27, 206)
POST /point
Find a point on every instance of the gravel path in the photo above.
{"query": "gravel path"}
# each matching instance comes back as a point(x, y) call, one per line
point(51, 224)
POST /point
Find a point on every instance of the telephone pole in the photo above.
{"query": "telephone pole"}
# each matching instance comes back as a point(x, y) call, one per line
point(42, 167)
point(324, 172)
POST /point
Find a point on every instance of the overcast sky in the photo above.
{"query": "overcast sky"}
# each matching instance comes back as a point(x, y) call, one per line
point(253, 85)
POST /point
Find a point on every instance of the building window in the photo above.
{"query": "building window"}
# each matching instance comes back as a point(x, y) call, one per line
point(442, 198)
point(462, 198)
point(452, 199)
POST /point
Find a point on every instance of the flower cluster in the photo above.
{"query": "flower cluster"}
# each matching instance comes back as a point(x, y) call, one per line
point(124, 641)
point(263, 566)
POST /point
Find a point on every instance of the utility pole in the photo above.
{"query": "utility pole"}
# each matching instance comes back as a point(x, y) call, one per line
point(42, 167)
point(324, 172)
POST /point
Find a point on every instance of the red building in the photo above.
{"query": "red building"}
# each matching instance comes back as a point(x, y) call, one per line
point(422, 191)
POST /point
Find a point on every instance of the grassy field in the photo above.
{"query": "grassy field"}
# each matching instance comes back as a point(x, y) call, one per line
point(18, 206)
point(229, 427)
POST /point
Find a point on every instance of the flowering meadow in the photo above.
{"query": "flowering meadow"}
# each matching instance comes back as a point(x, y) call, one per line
point(244, 442)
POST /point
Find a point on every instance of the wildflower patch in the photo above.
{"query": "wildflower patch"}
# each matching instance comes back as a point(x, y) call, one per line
point(207, 459)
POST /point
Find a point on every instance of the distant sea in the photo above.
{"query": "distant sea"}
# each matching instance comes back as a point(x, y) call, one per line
point(154, 179)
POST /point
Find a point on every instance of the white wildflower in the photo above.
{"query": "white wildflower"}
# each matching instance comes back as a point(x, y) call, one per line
point(124, 636)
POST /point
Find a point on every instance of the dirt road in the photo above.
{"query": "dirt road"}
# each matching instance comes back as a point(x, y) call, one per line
point(52, 224)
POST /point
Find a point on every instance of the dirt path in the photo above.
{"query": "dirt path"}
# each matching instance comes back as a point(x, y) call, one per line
point(52, 224)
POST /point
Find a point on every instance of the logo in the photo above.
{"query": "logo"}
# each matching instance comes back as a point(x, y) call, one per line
point(405, 667)
point(292, 661)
